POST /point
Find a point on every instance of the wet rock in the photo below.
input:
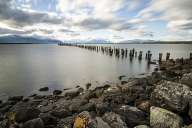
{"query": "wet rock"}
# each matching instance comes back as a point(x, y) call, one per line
point(35, 123)
point(162, 118)
point(172, 96)
point(98, 123)
point(121, 77)
point(142, 126)
point(88, 85)
point(57, 92)
point(15, 98)
point(44, 89)
point(74, 93)
point(114, 120)
point(187, 79)
point(131, 115)
point(96, 93)
point(25, 114)
point(124, 82)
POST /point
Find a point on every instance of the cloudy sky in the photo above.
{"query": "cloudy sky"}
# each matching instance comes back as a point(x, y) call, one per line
point(115, 20)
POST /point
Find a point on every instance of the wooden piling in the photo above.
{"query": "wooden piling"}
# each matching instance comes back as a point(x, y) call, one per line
point(160, 57)
point(168, 56)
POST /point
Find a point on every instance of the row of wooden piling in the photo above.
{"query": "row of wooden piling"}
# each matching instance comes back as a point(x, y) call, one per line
point(121, 52)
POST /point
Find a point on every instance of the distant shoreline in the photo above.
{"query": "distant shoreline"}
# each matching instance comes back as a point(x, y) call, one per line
point(156, 42)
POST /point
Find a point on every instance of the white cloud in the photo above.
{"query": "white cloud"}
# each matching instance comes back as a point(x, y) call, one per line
point(177, 14)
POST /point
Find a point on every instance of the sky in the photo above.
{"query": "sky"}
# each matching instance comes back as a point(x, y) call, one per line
point(114, 20)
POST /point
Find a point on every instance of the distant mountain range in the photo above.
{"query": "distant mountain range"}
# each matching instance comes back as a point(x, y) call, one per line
point(15, 39)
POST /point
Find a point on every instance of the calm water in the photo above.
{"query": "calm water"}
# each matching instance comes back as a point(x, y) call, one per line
point(27, 67)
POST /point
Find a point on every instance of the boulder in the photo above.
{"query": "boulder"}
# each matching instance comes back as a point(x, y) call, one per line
point(4, 123)
point(98, 123)
point(87, 107)
point(60, 113)
point(66, 122)
point(88, 85)
point(131, 115)
point(102, 107)
point(25, 114)
point(15, 98)
point(114, 120)
point(187, 79)
point(44, 89)
point(120, 98)
point(172, 96)
point(162, 118)
point(82, 120)
point(48, 119)
point(142, 126)
point(74, 93)
point(35, 123)
point(57, 92)
point(144, 105)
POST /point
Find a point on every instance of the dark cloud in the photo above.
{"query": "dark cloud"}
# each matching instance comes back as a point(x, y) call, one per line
point(66, 30)
point(94, 24)
point(21, 18)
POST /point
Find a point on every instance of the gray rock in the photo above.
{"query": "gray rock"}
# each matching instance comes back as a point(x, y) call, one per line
point(98, 123)
point(35, 123)
point(114, 120)
point(25, 114)
point(4, 124)
point(102, 107)
point(141, 126)
point(5, 109)
point(44, 89)
point(87, 107)
point(48, 119)
point(66, 122)
point(172, 96)
point(187, 79)
point(15, 98)
point(60, 113)
point(57, 92)
point(162, 118)
point(74, 93)
point(131, 115)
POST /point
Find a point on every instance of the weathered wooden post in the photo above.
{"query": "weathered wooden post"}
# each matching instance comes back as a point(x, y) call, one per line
point(140, 55)
point(160, 57)
point(149, 57)
point(135, 53)
point(190, 56)
point(168, 56)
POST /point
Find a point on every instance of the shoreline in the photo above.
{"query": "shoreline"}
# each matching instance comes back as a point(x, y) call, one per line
point(143, 102)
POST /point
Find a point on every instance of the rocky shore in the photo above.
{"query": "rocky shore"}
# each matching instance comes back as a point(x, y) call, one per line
point(160, 100)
